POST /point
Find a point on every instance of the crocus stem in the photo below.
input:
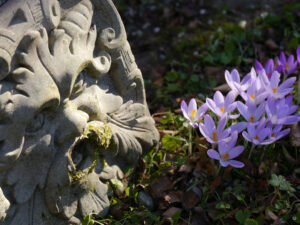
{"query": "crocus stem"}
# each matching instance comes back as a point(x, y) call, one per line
point(252, 147)
point(190, 140)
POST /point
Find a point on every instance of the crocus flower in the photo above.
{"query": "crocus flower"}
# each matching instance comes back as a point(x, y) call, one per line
point(272, 86)
point(223, 106)
point(269, 67)
point(298, 54)
point(227, 152)
point(280, 111)
point(250, 111)
point(276, 132)
point(286, 66)
point(212, 133)
point(234, 81)
point(256, 91)
point(257, 133)
point(191, 113)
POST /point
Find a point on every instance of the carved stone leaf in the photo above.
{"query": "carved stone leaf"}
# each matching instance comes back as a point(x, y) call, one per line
point(132, 131)
point(31, 170)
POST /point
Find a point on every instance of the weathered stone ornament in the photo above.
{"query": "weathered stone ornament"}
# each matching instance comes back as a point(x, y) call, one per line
point(72, 109)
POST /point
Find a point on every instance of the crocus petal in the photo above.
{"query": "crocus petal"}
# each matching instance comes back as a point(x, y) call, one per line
point(192, 106)
point(293, 109)
point(246, 136)
point(231, 107)
point(212, 105)
point(233, 117)
point(283, 133)
point(275, 79)
point(262, 134)
point(235, 152)
point(258, 66)
point(260, 110)
point(219, 99)
point(243, 109)
point(235, 163)
point(239, 127)
point(282, 58)
point(224, 163)
point(209, 123)
point(289, 100)
point(184, 109)
point(298, 54)
point(213, 154)
point(201, 111)
point(221, 124)
point(205, 133)
point(289, 82)
point(289, 120)
point(269, 66)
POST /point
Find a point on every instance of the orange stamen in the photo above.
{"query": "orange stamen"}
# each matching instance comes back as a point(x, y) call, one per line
point(274, 90)
point(225, 156)
point(214, 134)
point(252, 96)
point(222, 109)
point(252, 118)
point(256, 137)
point(287, 66)
point(273, 134)
point(193, 113)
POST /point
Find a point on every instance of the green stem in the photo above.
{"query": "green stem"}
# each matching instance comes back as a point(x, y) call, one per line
point(252, 147)
point(190, 141)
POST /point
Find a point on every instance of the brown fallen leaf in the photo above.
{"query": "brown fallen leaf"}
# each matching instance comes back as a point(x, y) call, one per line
point(215, 183)
point(222, 88)
point(171, 212)
point(271, 215)
point(173, 197)
point(159, 186)
point(189, 200)
point(270, 44)
point(185, 169)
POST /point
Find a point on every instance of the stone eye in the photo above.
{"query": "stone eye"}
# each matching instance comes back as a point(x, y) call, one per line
point(36, 123)
point(79, 85)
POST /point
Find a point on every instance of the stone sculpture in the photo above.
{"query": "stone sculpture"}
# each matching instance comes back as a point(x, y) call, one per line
point(72, 109)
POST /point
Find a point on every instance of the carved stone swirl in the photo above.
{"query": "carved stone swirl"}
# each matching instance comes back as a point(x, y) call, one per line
point(73, 110)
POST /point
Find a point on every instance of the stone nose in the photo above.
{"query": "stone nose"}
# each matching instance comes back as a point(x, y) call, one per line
point(75, 115)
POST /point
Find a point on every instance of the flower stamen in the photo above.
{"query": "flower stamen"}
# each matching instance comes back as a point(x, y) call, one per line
point(287, 66)
point(214, 136)
point(273, 134)
point(252, 96)
point(256, 137)
point(222, 109)
point(225, 156)
point(252, 118)
point(274, 90)
point(193, 113)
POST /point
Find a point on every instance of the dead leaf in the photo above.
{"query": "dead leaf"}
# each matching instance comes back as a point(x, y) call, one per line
point(171, 212)
point(271, 215)
point(185, 169)
point(173, 197)
point(270, 44)
point(216, 72)
point(189, 199)
point(159, 186)
point(215, 184)
point(223, 88)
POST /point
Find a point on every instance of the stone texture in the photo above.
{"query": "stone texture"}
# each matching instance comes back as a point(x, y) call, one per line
point(73, 111)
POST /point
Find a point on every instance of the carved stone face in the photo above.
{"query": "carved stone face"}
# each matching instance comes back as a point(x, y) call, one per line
point(62, 82)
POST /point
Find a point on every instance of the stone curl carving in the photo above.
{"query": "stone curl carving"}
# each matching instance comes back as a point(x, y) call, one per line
point(73, 111)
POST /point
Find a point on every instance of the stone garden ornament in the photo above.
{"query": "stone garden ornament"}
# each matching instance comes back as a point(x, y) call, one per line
point(73, 112)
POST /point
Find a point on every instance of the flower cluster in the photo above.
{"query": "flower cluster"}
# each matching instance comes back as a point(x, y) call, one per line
point(262, 102)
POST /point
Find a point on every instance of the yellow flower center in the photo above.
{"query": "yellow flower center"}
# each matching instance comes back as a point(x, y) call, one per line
point(287, 66)
point(222, 109)
point(214, 136)
point(193, 113)
point(225, 156)
point(252, 118)
point(252, 96)
point(274, 90)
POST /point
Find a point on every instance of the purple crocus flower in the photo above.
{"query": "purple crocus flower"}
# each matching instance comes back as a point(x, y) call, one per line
point(212, 133)
point(191, 113)
point(250, 111)
point(298, 54)
point(269, 67)
point(256, 91)
point(280, 111)
point(223, 106)
point(257, 133)
point(276, 132)
point(227, 152)
point(234, 81)
point(286, 66)
point(272, 86)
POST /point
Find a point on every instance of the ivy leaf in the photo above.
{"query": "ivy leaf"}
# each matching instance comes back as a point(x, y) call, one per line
point(242, 216)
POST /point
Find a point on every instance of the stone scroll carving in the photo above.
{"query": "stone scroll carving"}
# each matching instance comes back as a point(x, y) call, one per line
point(73, 111)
